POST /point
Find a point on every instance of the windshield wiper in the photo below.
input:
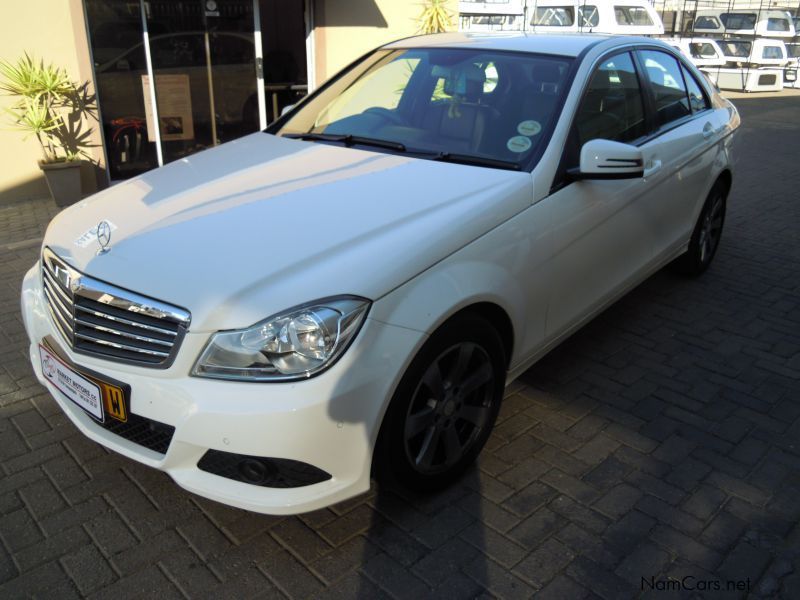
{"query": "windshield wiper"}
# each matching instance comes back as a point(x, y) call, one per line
point(357, 140)
point(348, 140)
point(480, 161)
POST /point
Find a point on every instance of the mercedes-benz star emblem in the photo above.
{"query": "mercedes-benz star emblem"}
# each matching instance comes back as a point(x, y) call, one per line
point(103, 236)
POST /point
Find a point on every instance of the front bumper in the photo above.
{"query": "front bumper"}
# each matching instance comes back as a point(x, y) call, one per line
point(330, 421)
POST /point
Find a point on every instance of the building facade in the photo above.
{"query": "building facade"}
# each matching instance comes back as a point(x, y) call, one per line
point(172, 77)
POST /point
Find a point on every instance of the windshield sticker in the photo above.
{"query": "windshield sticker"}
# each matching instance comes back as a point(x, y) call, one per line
point(529, 128)
point(518, 143)
point(91, 236)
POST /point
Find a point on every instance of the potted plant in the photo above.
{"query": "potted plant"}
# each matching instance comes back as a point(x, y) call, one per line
point(51, 107)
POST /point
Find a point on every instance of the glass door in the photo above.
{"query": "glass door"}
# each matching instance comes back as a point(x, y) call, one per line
point(173, 77)
point(205, 73)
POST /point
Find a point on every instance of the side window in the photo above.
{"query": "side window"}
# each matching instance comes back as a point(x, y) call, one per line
point(612, 107)
point(666, 81)
point(697, 99)
point(772, 52)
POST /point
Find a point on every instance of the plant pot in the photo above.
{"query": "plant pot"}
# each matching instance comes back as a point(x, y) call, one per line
point(64, 181)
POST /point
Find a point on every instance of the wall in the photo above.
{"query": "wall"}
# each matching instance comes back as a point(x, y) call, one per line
point(53, 30)
point(346, 30)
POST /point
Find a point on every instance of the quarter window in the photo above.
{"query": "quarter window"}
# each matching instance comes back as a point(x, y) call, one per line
point(666, 81)
point(697, 99)
point(612, 108)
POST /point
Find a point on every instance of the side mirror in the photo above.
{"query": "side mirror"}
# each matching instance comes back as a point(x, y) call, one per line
point(286, 109)
point(604, 159)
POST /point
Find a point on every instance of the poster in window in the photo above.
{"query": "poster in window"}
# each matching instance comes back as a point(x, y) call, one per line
point(174, 98)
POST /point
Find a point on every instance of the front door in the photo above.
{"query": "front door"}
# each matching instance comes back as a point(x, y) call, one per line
point(602, 230)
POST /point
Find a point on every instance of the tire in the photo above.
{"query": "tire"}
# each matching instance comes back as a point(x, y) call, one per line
point(706, 235)
point(434, 428)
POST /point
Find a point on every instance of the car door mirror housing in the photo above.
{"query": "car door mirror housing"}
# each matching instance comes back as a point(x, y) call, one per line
point(605, 159)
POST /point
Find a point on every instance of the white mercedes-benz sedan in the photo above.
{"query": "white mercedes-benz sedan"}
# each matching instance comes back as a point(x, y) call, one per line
point(346, 294)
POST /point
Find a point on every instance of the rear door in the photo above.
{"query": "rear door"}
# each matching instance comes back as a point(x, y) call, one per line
point(686, 131)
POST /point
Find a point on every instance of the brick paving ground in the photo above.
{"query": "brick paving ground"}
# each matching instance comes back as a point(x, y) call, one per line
point(662, 441)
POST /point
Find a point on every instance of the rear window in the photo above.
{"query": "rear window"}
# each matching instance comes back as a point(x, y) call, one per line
point(554, 16)
point(702, 50)
point(738, 20)
point(588, 16)
point(776, 24)
point(707, 23)
point(737, 49)
point(632, 16)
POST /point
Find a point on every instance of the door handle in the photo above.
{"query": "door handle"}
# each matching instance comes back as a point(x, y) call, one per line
point(652, 167)
point(708, 131)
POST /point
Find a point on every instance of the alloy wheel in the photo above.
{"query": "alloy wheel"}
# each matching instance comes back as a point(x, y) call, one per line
point(711, 229)
point(450, 407)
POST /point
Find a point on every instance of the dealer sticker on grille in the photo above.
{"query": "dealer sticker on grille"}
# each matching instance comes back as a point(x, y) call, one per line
point(74, 386)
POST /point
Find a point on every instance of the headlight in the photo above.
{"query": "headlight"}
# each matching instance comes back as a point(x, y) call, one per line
point(296, 344)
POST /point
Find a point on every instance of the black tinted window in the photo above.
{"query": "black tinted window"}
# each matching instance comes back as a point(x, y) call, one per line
point(612, 108)
point(666, 81)
point(697, 99)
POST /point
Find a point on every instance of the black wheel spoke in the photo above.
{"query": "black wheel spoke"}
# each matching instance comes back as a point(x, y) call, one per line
point(419, 422)
point(427, 451)
point(480, 377)
point(464, 354)
point(433, 381)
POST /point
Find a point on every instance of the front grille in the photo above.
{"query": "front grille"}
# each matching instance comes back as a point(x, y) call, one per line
point(100, 319)
point(260, 470)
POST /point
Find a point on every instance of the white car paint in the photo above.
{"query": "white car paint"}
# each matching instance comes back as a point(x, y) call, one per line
point(259, 225)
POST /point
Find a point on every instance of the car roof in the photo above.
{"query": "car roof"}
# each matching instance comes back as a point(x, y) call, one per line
point(562, 44)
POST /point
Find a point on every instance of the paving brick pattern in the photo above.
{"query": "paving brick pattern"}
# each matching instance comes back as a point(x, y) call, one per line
point(661, 442)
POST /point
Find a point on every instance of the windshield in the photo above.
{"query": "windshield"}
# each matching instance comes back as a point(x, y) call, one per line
point(437, 102)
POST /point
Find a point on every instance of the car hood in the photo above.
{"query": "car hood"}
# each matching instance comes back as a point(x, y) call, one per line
point(261, 224)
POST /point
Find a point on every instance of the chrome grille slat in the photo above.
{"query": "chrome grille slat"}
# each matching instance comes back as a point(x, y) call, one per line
point(103, 320)
point(119, 346)
point(57, 288)
point(120, 333)
point(63, 312)
point(102, 315)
